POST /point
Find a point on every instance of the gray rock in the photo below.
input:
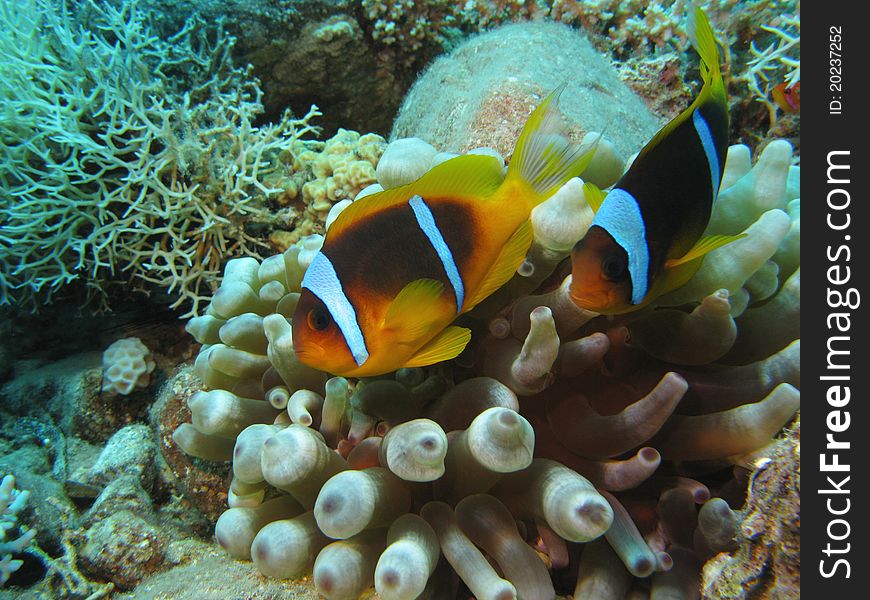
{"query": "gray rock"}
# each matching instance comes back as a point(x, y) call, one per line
point(123, 493)
point(49, 510)
point(6, 363)
point(481, 93)
point(52, 390)
point(123, 549)
point(131, 451)
point(214, 575)
point(81, 456)
point(67, 394)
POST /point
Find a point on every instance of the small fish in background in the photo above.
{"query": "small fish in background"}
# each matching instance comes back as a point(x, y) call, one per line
point(397, 267)
point(788, 98)
point(645, 239)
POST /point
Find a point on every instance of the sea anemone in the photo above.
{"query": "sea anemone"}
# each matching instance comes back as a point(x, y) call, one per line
point(563, 451)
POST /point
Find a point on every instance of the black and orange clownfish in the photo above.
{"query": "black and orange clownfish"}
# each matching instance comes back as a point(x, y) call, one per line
point(645, 238)
point(397, 267)
point(788, 97)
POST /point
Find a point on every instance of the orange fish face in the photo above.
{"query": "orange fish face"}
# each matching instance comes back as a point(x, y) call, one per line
point(788, 98)
point(317, 339)
point(600, 276)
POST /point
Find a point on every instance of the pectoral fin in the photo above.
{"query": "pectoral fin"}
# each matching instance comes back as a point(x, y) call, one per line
point(704, 245)
point(509, 259)
point(678, 271)
point(673, 278)
point(446, 345)
point(414, 310)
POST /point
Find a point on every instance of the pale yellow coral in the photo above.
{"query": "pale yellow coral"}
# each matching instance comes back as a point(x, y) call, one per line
point(339, 169)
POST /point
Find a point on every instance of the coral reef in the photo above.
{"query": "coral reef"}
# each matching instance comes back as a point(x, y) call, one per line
point(760, 41)
point(117, 169)
point(353, 58)
point(582, 428)
point(321, 174)
point(563, 454)
point(411, 24)
point(312, 52)
point(632, 27)
point(777, 62)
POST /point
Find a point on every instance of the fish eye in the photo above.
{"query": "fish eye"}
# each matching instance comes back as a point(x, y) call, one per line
point(614, 267)
point(319, 318)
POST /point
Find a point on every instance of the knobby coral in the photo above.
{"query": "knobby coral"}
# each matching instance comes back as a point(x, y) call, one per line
point(127, 157)
point(127, 366)
point(619, 444)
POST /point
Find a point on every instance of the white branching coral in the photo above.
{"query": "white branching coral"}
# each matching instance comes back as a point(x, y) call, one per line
point(779, 61)
point(126, 158)
point(12, 502)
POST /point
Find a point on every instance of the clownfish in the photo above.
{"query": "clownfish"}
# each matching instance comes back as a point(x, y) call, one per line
point(397, 267)
point(788, 98)
point(645, 237)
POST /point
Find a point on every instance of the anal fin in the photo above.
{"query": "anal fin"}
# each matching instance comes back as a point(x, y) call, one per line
point(444, 346)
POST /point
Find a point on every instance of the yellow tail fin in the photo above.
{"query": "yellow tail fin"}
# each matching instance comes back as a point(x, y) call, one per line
point(544, 158)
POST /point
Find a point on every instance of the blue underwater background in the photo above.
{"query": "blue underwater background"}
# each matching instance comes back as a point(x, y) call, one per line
point(169, 172)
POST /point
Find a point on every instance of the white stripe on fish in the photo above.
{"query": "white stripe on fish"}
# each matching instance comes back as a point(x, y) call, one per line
point(620, 216)
point(426, 221)
point(322, 280)
point(709, 148)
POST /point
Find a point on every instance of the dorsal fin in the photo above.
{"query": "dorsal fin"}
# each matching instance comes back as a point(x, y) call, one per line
point(704, 41)
point(713, 88)
point(469, 176)
point(544, 158)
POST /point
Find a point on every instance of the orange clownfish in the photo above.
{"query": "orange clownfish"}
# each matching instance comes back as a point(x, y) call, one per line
point(397, 267)
point(788, 98)
point(645, 239)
